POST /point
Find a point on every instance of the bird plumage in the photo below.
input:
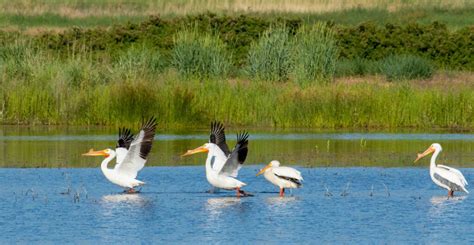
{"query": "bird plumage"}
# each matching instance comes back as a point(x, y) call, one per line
point(131, 154)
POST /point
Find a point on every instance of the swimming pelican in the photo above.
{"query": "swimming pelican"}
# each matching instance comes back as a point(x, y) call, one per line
point(283, 177)
point(222, 165)
point(131, 153)
point(444, 176)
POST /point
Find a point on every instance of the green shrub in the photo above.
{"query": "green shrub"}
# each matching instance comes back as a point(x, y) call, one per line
point(270, 57)
point(139, 61)
point(446, 48)
point(356, 67)
point(200, 55)
point(402, 67)
point(315, 54)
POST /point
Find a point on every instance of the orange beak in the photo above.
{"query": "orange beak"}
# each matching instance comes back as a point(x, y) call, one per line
point(197, 150)
point(96, 153)
point(424, 154)
point(264, 169)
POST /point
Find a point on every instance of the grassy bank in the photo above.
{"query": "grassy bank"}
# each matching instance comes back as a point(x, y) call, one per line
point(33, 15)
point(243, 70)
point(114, 97)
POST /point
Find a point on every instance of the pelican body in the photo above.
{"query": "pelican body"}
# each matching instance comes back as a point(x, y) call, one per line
point(445, 177)
point(131, 154)
point(222, 165)
point(283, 177)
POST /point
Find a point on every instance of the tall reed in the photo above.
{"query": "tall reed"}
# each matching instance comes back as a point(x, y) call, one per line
point(270, 57)
point(315, 54)
point(201, 55)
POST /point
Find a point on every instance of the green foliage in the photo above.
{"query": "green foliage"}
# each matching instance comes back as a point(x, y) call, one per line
point(270, 59)
point(315, 54)
point(356, 67)
point(434, 42)
point(139, 61)
point(49, 100)
point(446, 48)
point(200, 55)
point(404, 67)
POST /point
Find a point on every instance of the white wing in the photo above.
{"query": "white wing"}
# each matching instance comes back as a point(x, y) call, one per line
point(139, 149)
point(121, 154)
point(449, 178)
point(231, 167)
point(287, 172)
point(457, 172)
point(235, 160)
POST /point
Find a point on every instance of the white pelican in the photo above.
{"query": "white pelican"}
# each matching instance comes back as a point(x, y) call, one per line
point(222, 165)
point(444, 176)
point(131, 153)
point(283, 177)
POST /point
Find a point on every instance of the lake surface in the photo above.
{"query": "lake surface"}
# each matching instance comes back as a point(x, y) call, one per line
point(335, 205)
point(359, 187)
point(62, 147)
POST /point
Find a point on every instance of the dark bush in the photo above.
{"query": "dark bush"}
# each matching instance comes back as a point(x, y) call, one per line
point(403, 67)
point(369, 41)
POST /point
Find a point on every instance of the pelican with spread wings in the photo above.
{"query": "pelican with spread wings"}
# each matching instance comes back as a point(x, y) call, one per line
point(222, 165)
point(131, 152)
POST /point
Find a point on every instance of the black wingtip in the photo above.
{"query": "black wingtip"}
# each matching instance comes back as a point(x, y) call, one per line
point(217, 126)
point(242, 137)
point(151, 123)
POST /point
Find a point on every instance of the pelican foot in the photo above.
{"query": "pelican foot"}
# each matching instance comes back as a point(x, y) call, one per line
point(241, 193)
point(450, 193)
point(131, 191)
point(282, 192)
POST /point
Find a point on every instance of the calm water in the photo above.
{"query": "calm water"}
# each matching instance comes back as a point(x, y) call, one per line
point(363, 205)
point(60, 147)
point(362, 202)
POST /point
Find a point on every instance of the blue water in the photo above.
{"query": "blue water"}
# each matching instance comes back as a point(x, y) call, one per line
point(362, 205)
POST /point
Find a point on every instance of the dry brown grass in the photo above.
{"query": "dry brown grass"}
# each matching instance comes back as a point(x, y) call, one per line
point(442, 79)
point(86, 8)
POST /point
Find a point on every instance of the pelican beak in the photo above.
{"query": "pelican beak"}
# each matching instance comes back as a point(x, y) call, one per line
point(424, 154)
point(264, 169)
point(197, 150)
point(96, 153)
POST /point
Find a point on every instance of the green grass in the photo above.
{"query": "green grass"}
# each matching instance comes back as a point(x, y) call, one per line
point(402, 67)
point(200, 55)
point(270, 58)
point(86, 80)
point(29, 14)
point(46, 89)
point(315, 54)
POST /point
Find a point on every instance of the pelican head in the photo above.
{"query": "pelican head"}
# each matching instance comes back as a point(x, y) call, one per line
point(200, 149)
point(273, 163)
point(106, 153)
point(435, 147)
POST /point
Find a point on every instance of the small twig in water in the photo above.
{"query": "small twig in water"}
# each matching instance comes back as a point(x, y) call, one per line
point(345, 192)
point(327, 193)
point(386, 189)
point(85, 192)
point(76, 196)
point(67, 192)
point(371, 191)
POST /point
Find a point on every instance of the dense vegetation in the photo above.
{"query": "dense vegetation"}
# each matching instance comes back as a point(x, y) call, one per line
point(34, 15)
point(245, 70)
point(447, 48)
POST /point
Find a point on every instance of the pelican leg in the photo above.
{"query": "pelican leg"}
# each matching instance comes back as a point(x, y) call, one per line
point(282, 192)
point(130, 191)
point(450, 193)
point(238, 191)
